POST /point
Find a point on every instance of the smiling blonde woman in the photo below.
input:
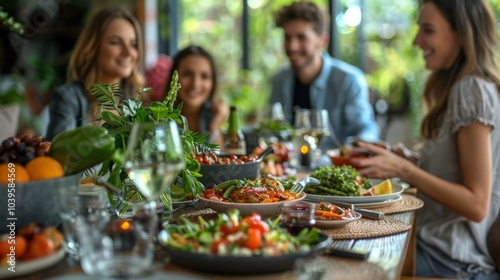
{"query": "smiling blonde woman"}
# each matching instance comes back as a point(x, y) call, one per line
point(109, 50)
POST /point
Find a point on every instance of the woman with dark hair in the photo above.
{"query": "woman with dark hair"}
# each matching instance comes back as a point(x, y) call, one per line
point(108, 51)
point(202, 108)
point(457, 171)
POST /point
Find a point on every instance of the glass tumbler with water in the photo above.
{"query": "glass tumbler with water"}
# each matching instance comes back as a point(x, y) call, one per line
point(120, 249)
point(90, 201)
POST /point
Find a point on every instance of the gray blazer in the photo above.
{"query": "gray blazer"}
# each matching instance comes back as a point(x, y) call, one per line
point(69, 107)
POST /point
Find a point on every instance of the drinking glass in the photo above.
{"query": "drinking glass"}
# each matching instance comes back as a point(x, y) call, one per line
point(311, 127)
point(153, 159)
point(90, 201)
point(120, 249)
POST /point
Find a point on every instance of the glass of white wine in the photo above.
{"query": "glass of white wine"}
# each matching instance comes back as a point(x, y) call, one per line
point(311, 127)
point(153, 159)
point(124, 247)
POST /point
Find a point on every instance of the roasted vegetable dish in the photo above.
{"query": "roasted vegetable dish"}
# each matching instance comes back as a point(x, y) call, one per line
point(330, 211)
point(262, 190)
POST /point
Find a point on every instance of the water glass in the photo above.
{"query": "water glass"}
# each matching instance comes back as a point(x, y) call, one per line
point(122, 248)
point(90, 201)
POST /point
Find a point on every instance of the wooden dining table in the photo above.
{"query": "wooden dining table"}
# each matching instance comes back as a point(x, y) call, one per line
point(390, 257)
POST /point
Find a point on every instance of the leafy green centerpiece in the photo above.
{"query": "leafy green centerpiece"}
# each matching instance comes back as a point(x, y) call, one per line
point(119, 117)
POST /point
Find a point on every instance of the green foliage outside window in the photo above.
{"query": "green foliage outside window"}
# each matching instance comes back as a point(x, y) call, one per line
point(393, 65)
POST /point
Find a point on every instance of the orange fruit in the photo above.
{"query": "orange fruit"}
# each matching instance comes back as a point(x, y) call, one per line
point(4, 247)
point(13, 173)
point(19, 243)
point(44, 167)
point(39, 246)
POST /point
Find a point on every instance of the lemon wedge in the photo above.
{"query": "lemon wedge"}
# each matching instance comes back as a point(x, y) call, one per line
point(383, 188)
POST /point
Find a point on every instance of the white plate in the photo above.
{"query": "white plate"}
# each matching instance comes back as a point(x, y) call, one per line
point(264, 209)
point(370, 205)
point(337, 223)
point(397, 189)
point(377, 204)
point(27, 267)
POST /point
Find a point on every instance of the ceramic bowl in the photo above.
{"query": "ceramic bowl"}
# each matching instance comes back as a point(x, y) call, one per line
point(218, 173)
point(37, 201)
point(338, 159)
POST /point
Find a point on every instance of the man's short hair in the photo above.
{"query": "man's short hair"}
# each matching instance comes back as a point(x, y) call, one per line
point(305, 11)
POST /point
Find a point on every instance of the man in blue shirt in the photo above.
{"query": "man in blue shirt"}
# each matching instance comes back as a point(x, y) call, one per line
point(315, 80)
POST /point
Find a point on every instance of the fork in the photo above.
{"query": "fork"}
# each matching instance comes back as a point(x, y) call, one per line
point(303, 183)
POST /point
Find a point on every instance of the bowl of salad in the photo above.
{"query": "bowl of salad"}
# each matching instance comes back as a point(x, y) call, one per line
point(265, 195)
point(237, 245)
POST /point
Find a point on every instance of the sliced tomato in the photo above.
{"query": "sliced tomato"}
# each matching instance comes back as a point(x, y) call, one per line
point(255, 221)
point(231, 223)
point(254, 239)
point(229, 229)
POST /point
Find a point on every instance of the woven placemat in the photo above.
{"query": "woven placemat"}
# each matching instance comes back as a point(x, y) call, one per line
point(367, 228)
point(407, 203)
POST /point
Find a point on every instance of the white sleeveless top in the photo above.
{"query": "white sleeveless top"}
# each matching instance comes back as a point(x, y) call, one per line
point(471, 99)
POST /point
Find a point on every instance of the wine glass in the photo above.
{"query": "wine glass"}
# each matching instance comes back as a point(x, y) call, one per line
point(153, 159)
point(311, 127)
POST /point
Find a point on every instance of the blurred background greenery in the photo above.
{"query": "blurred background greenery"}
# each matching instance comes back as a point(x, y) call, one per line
point(374, 35)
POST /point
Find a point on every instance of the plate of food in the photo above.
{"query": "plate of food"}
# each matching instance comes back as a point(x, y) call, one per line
point(345, 184)
point(36, 248)
point(265, 196)
point(24, 267)
point(329, 215)
point(230, 244)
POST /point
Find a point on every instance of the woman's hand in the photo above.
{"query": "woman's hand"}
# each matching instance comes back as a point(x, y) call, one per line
point(383, 164)
point(401, 150)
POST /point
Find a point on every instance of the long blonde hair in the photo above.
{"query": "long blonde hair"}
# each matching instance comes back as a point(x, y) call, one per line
point(474, 22)
point(83, 61)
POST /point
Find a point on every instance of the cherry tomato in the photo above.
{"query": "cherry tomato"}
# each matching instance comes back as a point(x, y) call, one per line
point(199, 159)
point(233, 157)
point(206, 160)
point(244, 158)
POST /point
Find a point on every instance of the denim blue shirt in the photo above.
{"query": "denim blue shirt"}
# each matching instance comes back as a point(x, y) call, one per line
point(341, 89)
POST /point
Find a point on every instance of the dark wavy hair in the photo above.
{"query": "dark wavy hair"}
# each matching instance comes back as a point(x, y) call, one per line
point(189, 51)
point(306, 11)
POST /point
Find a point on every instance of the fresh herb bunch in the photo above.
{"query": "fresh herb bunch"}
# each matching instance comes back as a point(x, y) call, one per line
point(118, 120)
point(10, 23)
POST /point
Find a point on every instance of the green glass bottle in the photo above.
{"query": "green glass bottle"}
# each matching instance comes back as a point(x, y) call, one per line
point(234, 142)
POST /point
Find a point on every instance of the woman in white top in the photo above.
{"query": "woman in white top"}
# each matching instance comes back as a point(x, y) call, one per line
point(457, 169)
